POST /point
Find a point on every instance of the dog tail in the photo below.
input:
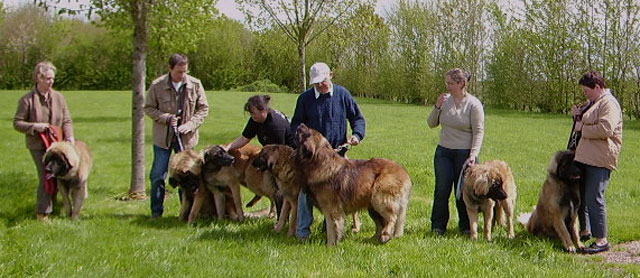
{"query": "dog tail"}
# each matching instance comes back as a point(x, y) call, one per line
point(524, 218)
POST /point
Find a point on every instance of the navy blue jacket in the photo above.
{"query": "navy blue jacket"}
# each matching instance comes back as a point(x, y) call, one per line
point(329, 114)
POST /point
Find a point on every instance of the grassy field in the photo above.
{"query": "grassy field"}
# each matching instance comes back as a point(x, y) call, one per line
point(117, 239)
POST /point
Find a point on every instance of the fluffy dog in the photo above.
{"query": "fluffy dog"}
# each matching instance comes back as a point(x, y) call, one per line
point(557, 209)
point(184, 172)
point(490, 188)
point(70, 164)
point(280, 161)
point(342, 186)
point(222, 170)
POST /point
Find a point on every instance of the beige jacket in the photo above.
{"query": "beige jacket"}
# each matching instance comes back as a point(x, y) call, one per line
point(161, 104)
point(30, 112)
point(601, 134)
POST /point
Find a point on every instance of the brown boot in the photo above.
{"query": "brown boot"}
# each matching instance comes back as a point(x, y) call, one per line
point(43, 217)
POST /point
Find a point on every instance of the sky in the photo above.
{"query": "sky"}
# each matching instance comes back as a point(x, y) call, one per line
point(228, 7)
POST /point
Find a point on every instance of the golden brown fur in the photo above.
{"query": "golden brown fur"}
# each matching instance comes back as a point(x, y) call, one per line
point(342, 186)
point(223, 169)
point(70, 164)
point(185, 172)
point(280, 161)
point(490, 188)
point(557, 209)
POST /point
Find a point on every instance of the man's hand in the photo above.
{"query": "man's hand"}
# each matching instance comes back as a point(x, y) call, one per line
point(174, 120)
point(184, 129)
point(40, 127)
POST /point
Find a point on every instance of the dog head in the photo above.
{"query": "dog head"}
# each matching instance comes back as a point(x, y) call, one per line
point(60, 158)
point(266, 158)
point(215, 155)
point(486, 181)
point(184, 170)
point(309, 141)
point(565, 168)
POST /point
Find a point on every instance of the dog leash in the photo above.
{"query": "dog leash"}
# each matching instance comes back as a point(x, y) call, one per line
point(180, 146)
point(461, 181)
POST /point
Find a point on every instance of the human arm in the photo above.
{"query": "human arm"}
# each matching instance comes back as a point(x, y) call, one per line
point(67, 123)
point(151, 108)
point(201, 112)
point(239, 142)
point(434, 117)
point(477, 130)
point(22, 120)
point(603, 127)
point(356, 120)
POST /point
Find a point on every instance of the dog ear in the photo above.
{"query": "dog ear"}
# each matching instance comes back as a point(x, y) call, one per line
point(307, 149)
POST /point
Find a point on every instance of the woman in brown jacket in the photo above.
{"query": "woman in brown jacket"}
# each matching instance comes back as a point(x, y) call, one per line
point(37, 110)
point(597, 151)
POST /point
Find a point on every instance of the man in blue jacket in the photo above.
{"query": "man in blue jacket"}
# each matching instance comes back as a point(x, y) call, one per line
point(326, 108)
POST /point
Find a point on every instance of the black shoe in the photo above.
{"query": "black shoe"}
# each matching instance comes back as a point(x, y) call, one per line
point(156, 215)
point(438, 231)
point(595, 248)
point(585, 237)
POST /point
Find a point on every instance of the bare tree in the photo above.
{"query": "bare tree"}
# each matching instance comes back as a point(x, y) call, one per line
point(301, 20)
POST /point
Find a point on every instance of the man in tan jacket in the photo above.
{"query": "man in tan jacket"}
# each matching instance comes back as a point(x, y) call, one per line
point(176, 102)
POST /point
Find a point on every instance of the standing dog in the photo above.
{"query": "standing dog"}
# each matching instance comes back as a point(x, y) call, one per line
point(228, 170)
point(71, 164)
point(557, 209)
point(342, 186)
point(280, 161)
point(490, 188)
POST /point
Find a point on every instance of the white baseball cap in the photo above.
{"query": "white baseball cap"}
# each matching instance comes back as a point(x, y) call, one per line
point(318, 73)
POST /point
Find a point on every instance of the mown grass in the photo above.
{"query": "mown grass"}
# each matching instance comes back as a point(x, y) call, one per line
point(117, 239)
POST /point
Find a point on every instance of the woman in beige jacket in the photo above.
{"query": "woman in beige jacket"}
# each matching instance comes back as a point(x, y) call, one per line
point(597, 151)
point(37, 110)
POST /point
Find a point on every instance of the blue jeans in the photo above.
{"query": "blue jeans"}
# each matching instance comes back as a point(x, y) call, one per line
point(593, 208)
point(447, 165)
point(157, 176)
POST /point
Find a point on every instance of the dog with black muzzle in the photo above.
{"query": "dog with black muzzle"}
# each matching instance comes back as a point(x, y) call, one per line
point(556, 213)
point(184, 172)
point(491, 189)
point(222, 171)
point(70, 164)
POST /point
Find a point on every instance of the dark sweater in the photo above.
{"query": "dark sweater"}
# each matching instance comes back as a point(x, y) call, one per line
point(329, 114)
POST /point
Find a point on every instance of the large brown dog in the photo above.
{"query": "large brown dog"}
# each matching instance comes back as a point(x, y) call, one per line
point(71, 164)
point(490, 188)
point(280, 161)
point(342, 186)
point(557, 209)
point(185, 170)
point(223, 169)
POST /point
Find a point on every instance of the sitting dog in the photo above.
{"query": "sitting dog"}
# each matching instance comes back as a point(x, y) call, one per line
point(490, 188)
point(224, 170)
point(70, 164)
point(557, 209)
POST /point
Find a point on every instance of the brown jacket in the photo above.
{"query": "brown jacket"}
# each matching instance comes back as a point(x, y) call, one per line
point(30, 112)
point(601, 134)
point(161, 104)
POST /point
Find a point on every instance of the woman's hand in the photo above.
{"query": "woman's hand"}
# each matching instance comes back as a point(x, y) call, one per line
point(470, 161)
point(40, 127)
point(442, 99)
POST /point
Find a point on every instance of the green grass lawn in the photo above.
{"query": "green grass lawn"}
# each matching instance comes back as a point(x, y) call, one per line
point(117, 239)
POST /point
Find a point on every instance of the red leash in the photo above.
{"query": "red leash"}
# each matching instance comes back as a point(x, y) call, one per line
point(48, 137)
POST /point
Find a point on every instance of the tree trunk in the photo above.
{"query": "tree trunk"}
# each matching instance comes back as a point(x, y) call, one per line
point(139, 14)
point(302, 53)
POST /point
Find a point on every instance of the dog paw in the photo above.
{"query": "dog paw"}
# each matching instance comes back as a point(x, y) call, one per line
point(571, 249)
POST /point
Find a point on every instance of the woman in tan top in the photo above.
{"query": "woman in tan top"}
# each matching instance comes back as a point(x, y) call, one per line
point(597, 153)
point(462, 119)
point(37, 110)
